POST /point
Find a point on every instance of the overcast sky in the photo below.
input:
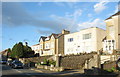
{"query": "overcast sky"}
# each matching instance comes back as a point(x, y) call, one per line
point(27, 21)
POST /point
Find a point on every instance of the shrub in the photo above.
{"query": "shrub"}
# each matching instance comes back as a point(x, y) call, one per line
point(52, 62)
point(111, 70)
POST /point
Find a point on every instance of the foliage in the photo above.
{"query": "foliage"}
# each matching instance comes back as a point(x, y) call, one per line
point(9, 51)
point(45, 62)
point(49, 62)
point(28, 52)
point(19, 50)
point(111, 70)
point(52, 62)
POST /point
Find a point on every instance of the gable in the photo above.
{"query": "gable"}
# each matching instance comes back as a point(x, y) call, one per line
point(41, 40)
point(52, 37)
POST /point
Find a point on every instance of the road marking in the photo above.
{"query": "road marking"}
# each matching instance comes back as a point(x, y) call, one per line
point(18, 71)
point(36, 70)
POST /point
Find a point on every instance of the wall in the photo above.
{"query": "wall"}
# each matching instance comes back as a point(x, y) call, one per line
point(114, 21)
point(109, 65)
point(101, 34)
point(61, 45)
point(34, 59)
point(36, 48)
point(119, 32)
point(79, 45)
point(106, 58)
point(79, 61)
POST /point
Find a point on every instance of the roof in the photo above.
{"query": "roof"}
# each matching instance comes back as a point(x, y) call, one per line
point(92, 27)
point(118, 13)
point(43, 38)
point(56, 35)
point(3, 52)
point(104, 38)
point(53, 34)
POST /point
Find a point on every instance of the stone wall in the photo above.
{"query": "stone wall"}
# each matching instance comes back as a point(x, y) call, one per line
point(108, 65)
point(34, 59)
point(78, 61)
point(81, 61)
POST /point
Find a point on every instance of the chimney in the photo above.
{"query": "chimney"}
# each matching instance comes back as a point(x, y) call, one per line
point(65, 32)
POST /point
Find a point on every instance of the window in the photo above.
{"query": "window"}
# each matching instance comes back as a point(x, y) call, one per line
point(86, 36)
point(47, 45)
point(70, 39)
point(41, 46)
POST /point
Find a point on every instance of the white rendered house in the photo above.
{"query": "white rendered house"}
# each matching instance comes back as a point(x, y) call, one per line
point(36, 48)
point(86, 40)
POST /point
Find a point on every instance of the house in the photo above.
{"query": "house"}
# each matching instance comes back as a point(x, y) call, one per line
point(85, 41)
point(53, 44)
point(112, 40)
point(3, 54)
point(36, 48)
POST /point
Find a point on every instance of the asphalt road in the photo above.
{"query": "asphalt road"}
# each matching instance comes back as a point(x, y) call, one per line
point(7, 71)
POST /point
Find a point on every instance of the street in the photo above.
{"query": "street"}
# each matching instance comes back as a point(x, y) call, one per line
point(7, 71)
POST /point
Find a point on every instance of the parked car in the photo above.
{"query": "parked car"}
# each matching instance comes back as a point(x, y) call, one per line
point(118, 64)
point(16, 64)
point(9, 62)
point(3, 62)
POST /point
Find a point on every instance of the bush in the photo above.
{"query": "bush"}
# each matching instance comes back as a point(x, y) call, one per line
point(52, 62)
point(48, 62)
point(111, 70)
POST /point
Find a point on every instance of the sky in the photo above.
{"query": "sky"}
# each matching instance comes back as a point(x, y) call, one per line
point(27, 21)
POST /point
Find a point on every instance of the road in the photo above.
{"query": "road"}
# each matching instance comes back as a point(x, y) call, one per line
point(7, 71)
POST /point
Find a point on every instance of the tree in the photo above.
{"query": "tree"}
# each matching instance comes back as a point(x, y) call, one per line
point(9, 51)
point(21, 51)
point(28, 51)
point(17, 50)
point(13, 53)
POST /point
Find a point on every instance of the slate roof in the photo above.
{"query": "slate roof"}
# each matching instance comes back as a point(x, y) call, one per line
point(43, 38)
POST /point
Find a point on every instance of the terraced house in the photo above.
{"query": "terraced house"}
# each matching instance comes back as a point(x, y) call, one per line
point(85, 41)
point(53, 44)
point(112, 40)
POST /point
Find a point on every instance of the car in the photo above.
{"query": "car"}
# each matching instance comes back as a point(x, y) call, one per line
point(17, 64)
point(118, 64)
point(9, 62)
point(3, 62)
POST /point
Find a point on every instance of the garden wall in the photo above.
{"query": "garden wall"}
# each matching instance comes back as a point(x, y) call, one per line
point(109, 65)
point(79, 61)
point(34, 59)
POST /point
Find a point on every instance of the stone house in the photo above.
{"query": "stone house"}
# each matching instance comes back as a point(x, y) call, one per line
point(53, 44)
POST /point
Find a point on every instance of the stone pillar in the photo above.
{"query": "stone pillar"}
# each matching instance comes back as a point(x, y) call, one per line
point(57, 61)
point(98, 61)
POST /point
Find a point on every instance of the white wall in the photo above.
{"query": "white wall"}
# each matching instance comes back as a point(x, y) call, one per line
point(80, 45)
point(36, 48)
